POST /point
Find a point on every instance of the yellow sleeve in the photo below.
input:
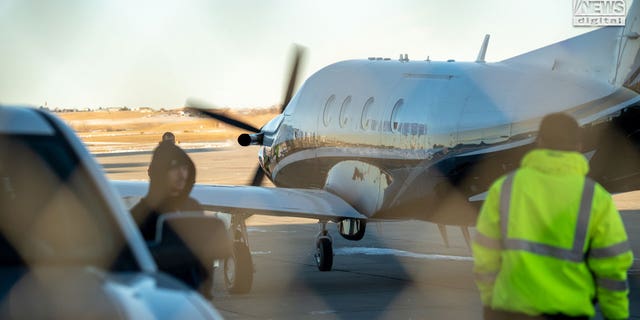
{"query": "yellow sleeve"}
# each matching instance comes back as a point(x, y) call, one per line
point(486, 245)
point(609, 256)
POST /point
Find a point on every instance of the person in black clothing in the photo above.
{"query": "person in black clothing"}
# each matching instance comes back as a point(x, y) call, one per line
point(172, 175)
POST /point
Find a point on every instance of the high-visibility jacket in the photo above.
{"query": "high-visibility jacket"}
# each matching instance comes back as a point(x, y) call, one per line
point(551, 241)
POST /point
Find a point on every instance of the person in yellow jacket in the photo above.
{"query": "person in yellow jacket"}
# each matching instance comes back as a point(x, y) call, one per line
point(550, 241)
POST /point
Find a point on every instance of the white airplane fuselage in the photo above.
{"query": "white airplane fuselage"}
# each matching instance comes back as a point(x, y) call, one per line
point(391, 136)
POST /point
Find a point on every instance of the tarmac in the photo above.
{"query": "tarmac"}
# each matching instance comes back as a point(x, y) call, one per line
point(400, 270)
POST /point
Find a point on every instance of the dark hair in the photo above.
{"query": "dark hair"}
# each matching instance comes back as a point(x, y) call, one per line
point(559, 131)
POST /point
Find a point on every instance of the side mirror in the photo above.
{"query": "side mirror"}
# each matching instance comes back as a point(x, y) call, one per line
point(184, 237)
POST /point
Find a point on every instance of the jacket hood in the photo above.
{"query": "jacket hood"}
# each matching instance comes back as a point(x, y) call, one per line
point(166, 156)
point(556, 162)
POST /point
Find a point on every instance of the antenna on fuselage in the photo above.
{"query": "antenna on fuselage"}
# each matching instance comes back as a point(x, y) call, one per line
point(483, 49)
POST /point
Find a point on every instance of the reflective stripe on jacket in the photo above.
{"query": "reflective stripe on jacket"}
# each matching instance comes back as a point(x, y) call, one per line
point(551, 241)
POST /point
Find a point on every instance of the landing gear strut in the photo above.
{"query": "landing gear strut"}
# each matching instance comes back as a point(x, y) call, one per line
point(324, 249)
point(238, 269)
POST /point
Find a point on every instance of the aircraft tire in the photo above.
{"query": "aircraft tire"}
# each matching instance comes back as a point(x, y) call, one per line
point(238, 270)
point(324, 254)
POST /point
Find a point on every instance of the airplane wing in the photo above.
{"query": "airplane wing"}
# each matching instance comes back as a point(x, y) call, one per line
point(303, 203)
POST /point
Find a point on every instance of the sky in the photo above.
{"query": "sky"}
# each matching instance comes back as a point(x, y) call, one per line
point(155, 53)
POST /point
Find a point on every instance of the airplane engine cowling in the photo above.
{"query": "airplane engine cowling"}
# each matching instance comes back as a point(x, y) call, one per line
point(360, 184)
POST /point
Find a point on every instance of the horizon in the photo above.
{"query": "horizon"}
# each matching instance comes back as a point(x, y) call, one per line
point(275, 108)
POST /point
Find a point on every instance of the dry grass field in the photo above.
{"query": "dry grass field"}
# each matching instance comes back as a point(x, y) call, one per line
point(104, 131)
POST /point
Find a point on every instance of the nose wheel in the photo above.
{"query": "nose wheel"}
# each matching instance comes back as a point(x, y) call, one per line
point(324, 249)
point(238, 269)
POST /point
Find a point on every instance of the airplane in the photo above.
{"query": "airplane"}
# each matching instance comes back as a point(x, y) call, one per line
point(399, 139)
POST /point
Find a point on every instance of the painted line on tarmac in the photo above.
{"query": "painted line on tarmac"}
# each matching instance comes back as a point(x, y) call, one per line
point(254, 229)
point(400, 253)
point(260, 252)
point(322, 312)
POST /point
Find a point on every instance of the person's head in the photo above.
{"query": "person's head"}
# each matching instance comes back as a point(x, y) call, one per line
point(169, 136)
point(559, 131)
point(171, 171)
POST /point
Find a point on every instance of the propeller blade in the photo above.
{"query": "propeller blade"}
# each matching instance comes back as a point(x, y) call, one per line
point(210, 112)
point(258, 177)
point(293, 75)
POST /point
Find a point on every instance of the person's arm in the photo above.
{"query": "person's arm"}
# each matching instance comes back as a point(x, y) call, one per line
point(191, 204)
point(146, 219)
point(140, 211)
point(609, 256)
point(486, 245)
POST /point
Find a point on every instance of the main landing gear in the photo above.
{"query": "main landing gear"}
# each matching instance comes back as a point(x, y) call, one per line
point(238, 269)
point(324, 249)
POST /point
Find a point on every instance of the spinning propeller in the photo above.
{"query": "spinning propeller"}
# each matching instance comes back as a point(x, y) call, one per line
point(257, 134)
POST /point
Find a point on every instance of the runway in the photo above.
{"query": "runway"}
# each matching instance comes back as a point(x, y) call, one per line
point(400, 270)
point(417, 279)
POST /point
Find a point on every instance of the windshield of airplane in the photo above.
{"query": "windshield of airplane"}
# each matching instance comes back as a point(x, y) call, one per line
point(51, 212)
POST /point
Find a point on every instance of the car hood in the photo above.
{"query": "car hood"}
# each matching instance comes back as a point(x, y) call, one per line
point(75, 293)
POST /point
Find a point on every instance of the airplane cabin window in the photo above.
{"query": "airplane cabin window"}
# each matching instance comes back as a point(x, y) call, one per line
point(365, 122)
point(395, 124)
point(344, 119)
point(51, 212)
point(326, 117)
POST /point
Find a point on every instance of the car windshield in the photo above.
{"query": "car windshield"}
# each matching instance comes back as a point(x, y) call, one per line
point(51, 212)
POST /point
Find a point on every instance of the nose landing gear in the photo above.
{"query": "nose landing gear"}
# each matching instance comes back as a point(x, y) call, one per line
point(324, 249)
point(238, 269)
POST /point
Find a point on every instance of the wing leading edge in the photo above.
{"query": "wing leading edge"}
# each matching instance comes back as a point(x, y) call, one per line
point(303, 203)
